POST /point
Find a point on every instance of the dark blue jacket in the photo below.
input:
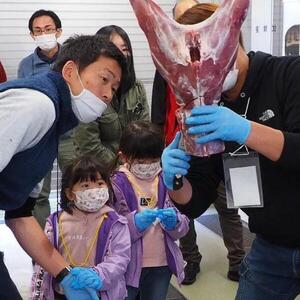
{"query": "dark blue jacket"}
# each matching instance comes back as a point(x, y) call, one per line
point(27, 168)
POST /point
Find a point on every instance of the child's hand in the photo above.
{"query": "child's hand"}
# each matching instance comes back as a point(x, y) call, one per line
point(144, 219)
point(168, 218)
point(86, 278)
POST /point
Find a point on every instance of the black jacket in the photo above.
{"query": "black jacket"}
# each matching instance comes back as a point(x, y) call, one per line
point(158, 103)
point(273, 84)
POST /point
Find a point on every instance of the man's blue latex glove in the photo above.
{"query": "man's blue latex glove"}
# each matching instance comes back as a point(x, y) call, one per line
point(174, 162)
point(144, 219)
point(86, 278)
point(218, 123)
point(168, 218)
point(82, 294)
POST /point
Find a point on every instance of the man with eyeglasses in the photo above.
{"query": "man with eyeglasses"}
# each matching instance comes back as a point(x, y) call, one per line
point(45, 29)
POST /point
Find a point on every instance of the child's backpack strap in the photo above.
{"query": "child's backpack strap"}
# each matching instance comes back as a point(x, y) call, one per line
point(162, 192)
point(104, 235)
point(123, 185)
point(54, 220)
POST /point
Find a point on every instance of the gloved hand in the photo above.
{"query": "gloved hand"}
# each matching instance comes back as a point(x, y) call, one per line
point(82, 294)
point(168, 218)
point(218, 123)
point(86, 278)
point(174, 161)
point(144, 219)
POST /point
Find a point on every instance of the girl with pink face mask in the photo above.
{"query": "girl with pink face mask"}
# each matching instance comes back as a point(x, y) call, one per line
point(88, 233)
point(154, 223)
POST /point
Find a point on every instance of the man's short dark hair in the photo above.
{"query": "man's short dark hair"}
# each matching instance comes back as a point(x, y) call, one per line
point(42, 12)
point(85, 50)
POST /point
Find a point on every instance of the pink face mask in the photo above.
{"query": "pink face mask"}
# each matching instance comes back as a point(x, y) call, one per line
point(91, 200)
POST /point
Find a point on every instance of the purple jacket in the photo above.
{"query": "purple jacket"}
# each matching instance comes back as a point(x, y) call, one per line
point(112, 258)
point(126, 205)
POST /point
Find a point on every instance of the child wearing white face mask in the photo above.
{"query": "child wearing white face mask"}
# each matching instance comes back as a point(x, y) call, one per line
point(154, 223)
point(88, 233)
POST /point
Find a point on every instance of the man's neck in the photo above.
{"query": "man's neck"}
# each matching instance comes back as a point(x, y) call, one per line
point(50, 53)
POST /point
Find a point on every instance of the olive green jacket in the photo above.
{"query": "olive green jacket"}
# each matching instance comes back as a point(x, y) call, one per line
point(101, 138)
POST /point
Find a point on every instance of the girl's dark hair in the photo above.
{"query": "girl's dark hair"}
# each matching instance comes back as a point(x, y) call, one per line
point(142, 140)
point(82, 169)
point(85, 50)
point(107, 32)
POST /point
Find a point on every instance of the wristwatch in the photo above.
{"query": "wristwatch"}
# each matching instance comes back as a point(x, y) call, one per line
point(62, 274)
point(177, 182)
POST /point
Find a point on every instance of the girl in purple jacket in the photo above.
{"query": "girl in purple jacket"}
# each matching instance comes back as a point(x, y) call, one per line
point(154, 223)
point(88, 233)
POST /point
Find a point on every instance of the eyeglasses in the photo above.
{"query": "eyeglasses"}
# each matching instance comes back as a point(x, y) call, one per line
point(45, 30)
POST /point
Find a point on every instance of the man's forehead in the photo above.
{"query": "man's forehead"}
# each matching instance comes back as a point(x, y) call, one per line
point(43, 20)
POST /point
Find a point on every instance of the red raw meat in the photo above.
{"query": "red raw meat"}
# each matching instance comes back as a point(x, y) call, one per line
point(193, 59)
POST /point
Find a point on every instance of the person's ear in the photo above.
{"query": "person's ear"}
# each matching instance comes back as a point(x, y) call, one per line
point(70, 195)
point(122, 157)
point(58, 33)
point(32, 35)
point(69, 71)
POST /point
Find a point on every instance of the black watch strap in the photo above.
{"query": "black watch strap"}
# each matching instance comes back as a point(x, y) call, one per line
point(63, 273)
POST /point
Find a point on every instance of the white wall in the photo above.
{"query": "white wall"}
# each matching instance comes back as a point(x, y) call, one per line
point(291, 16)
point(77, 16)
point(261, 25)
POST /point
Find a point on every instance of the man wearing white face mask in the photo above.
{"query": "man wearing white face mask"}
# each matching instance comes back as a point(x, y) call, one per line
point(85, 76)
point(45, 28)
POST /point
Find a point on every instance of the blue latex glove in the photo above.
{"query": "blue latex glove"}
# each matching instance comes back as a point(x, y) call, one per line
point(218, 123)
point(86, 278)
point(71, 293)
point(174, 161)
point(168, 218)
point(145, 218)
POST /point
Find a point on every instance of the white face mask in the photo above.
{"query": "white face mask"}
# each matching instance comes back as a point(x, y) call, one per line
point(46, 42)
point(145, 171)
point(91, 200)
point(87, 106)
point(230, 80)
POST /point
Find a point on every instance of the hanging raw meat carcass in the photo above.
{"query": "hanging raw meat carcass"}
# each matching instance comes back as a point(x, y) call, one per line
point(193, 59)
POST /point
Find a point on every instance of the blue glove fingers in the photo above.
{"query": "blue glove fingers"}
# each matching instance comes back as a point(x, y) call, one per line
point(208, 138)
point(94, 284)
point(204, 110)
point(175, 153)
point(200, 120)
point(149, 213)
point(93, 294)
point(175, 142)
point(169, 212)
point(84, 277)
point(76, 271)
point(144, 219)
point(170, 175)
point(169, 222)
point(177, 163)
point(78, 294)
point(202, 129)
